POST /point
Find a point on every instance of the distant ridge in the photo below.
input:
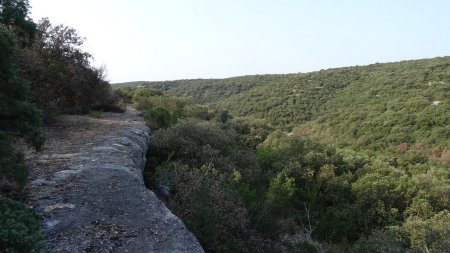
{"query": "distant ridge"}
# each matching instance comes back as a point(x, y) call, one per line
point(382, 104)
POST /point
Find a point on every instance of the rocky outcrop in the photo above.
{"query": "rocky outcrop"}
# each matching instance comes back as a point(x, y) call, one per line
point(98, 201)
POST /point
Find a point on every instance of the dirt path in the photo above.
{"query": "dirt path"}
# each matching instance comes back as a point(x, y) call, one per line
point(69, 135)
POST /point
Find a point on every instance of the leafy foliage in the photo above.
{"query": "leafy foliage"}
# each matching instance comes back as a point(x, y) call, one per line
point(209, 165)
point(19, 228)
point(14, 16)
point(61, 76)
point(335, 176)
point(396, 107)
point(399, 107)
point(198, 143)
point(158, 117)
point(18, 117)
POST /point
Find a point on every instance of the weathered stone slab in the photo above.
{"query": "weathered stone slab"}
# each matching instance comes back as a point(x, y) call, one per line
point(98, 202)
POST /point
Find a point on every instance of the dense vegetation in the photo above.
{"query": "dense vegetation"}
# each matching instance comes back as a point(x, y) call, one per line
point(60, 73)
point(379, 106)
point(18, 117)
point(342, 160)
point(43, 72)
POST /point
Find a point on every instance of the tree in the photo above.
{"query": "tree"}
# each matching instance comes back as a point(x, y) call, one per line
point(60, 73)
point(18, 117)
point(14, 17)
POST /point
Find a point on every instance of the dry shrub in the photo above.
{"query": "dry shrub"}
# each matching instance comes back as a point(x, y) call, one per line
point(445, 157)
point(402, 147)
point(437, 152)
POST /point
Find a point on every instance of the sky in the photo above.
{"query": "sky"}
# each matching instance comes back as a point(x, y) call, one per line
point(154, 40)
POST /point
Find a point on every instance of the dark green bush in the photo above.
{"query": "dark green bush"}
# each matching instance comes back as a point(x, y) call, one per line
point(307, 247)
point(19, 228)
point(197, 143)
point(211, 167)
point(12, 164)
point(18, 116)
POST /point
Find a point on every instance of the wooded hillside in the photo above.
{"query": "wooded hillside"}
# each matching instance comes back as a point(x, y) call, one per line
point(375, 106)
point(343, 160)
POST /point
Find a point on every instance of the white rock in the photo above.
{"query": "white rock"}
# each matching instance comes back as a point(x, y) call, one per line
point(436, 102)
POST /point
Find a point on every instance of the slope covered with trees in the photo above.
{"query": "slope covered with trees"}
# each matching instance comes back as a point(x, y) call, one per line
point(342, 160)
point(396, 106)
point(374, 106)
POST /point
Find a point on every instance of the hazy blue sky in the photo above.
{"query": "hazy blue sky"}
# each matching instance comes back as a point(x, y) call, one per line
point(176, 39)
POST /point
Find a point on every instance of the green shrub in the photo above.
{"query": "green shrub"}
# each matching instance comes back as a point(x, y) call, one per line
point(392, 240)
point(157, 118)
point(197, 143)
point(280, 192)
point(210, 211)
point(206, 168)
point(142, 97)
point(307, 247)
point(429, 235)
point(19, 228)
point(125, 93)
point(199, 112)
